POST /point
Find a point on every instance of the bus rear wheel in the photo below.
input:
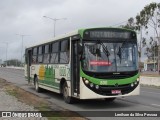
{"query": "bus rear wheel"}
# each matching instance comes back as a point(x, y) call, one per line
point(66, 96)
point(37, 88)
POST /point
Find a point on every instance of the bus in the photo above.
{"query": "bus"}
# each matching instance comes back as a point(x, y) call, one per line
point(92, 63)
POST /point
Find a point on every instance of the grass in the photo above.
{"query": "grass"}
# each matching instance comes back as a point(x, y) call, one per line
point(39, 103)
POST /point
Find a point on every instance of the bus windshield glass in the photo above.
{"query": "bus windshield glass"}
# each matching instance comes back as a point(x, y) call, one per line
point(100, 56)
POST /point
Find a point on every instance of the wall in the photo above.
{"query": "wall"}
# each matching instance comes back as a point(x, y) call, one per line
point(150, 80)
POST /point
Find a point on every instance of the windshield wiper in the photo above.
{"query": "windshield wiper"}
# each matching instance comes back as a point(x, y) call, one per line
point(105, 50)
point(119, 54)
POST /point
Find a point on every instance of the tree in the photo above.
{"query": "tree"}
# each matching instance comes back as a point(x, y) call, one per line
point(151, 49)
point(148, 18)
point(130, 24)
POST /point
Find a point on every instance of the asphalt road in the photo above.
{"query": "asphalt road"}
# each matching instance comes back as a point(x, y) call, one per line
point(148, 100)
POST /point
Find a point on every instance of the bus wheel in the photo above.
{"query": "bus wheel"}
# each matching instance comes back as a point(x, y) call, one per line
point(66, 96)
point(109, 99)
point(37, 85)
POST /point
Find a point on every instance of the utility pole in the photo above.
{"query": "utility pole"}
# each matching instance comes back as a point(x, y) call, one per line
point(6, 51)
point(22, 37)
point(140, 45)
point(55, 20)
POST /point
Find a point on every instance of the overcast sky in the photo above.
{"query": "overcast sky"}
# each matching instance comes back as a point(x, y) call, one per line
point(26, 17)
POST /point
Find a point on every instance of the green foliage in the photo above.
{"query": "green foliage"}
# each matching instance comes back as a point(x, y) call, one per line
point(130, 24)
point(149, 17)
point(152, 49)
point(146, 15)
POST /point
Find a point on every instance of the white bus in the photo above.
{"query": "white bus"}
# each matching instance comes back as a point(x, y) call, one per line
point(91, 63)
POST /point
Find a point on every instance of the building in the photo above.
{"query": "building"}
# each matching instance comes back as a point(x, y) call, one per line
point(151, 65)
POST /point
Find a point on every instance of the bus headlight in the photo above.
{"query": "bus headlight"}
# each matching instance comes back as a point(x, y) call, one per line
point(132, 84)
point(86, 82)
point(135, 82)
point(91, 84)
point(138, 79)
point(97, 86)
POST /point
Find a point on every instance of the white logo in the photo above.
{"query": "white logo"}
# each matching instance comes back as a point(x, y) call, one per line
point(6, 114)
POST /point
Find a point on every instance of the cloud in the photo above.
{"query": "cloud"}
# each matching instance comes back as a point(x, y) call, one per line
point(26, 17)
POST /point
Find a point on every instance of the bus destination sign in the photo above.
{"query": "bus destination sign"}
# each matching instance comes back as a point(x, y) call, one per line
point(109, 34)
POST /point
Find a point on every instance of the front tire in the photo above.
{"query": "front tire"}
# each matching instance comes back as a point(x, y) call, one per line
point(66, 96)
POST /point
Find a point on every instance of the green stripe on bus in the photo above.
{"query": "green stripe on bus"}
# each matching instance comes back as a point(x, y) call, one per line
point(50, 82)
point(109, 81)
point(49, 86)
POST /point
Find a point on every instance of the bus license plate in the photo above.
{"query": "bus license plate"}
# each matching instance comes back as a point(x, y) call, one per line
point(116, 91)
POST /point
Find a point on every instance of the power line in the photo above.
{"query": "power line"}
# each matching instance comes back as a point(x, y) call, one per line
point(119, 23)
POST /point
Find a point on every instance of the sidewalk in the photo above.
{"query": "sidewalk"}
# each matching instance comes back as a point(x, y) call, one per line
point(11, 104)
point(13, 67)
point(146, 80)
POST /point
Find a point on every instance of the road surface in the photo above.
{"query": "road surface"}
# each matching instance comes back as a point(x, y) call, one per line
point(148, 100)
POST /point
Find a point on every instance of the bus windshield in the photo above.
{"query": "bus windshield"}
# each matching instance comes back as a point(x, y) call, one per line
point(100, 56)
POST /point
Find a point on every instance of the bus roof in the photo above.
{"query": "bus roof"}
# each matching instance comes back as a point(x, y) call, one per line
point(54, 39)
point(79, 31)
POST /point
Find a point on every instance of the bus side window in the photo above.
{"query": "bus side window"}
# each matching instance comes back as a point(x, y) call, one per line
point(64, 51)
point(54, 52)
point(34, 55)
point(40, 54)
point(46, 54)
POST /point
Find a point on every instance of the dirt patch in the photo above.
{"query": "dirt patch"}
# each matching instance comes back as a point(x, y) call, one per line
point(3, 83)
point(39, 103)
point(149, 75)
point(151, 86)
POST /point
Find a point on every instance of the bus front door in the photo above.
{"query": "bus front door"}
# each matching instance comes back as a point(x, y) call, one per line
point(29, 59)
point(75, 69)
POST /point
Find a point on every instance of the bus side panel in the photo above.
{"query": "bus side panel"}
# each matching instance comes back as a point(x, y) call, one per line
point(50, 75)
